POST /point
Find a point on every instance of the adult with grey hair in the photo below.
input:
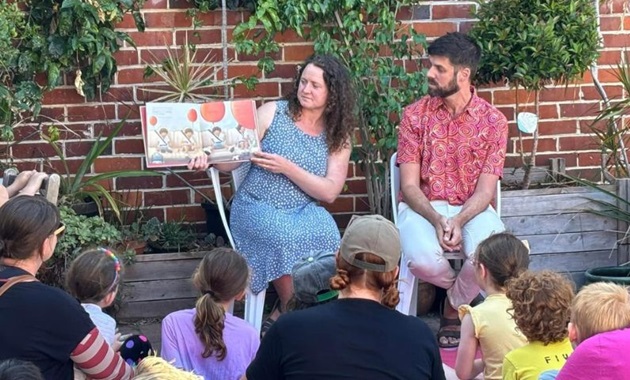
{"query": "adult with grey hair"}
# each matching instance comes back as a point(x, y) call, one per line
point(451, 151)
point(359, 335)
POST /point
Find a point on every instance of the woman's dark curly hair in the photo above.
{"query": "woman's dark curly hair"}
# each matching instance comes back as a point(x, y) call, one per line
point(340, 115)
point(541, 305)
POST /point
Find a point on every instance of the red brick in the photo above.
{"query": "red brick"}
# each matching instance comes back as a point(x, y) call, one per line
point(587, 174)
point(33, 150)
point(156, 4)
point(92, 112)
point(55, 113)
point(612, 91)
point(544, 145)
point(579, 109)
point(612, 6)
point(626, 23)
point(554, 127)
point(168, 19)
point(298, 52)
point(126, 57)
point(119, 95)
point(288, 71)
point(500, 97)
point(79, 148)
point(342, 204)
point(213, 18)
point(609, 57)
point(135, 146)
point(589, 159)
point(214, 56)
point(131, 128)
point(235, 71)
point(342, 220)
point(486, 95)
point(362, 204)
point(166, 197)
point(149, 38)
point(202, 37)
point(466, 26)
point(439, 12)
point(262, 89)
point(291, 36)
point(140, 183)
point(63, 96)
point(134, 76)
point(356, 186)
point(607, 76)
point(546, 111)
point(513, 161)
point(508, 112)
point(434, 29)
point(616, 40)
point(110, 164)
point(286, 87)
point(586, 78)
point(610, 23)
point(193, 177)
point(559, 94)
point(254, 58)
point(573, 143)
point(56, 166)
point(126, 23)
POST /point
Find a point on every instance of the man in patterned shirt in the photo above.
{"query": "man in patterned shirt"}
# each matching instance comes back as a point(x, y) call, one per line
point(451, 150)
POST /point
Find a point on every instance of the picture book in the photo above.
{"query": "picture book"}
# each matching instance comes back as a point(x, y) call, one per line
point(174, 133)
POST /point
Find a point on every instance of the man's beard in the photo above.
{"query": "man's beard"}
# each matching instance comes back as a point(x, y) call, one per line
point(444, 92)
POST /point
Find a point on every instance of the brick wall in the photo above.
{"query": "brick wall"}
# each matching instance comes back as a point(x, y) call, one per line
point(565, 112)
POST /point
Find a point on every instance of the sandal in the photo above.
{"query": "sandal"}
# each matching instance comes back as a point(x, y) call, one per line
point(448, 333)
point(266, 325)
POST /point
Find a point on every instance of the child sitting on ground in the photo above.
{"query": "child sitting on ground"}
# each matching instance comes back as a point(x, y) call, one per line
point(498, 259)
point(600, 329)
point(208, 339)
point(541, 306)
point(93, 279)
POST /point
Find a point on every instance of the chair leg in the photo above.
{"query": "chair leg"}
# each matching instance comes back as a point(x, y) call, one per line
point(254, 306)
point(406, 284)
point(51, 190)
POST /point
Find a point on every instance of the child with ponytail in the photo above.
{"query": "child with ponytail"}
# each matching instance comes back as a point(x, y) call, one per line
point(208, 339)
point(489, 326)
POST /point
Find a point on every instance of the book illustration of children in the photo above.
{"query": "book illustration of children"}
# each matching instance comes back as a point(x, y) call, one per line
point(218, 137)
point(234, 135)
point(164, 141)
point(189, 144)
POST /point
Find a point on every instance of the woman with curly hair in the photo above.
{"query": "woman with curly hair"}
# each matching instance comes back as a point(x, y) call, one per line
point(541, 308)
point(488, 326)
point(276, 216)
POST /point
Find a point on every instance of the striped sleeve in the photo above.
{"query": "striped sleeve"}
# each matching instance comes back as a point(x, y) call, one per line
point(94, 357)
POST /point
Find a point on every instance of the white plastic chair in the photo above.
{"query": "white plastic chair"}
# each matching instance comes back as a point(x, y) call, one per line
point(254, 303)
point(408, 283)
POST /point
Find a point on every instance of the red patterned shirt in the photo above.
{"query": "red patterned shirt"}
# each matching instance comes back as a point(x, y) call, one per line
point(452, 151)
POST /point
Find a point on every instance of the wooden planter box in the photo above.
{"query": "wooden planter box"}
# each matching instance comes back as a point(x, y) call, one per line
point(561, 234)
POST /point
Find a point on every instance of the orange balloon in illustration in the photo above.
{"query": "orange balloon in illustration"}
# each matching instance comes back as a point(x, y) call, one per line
point(244, 111)
point(192, 115)
point(153, 120)
point(213, 112)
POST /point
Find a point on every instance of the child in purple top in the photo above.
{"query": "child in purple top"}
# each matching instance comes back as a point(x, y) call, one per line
point(207, 339)
point(600, 327)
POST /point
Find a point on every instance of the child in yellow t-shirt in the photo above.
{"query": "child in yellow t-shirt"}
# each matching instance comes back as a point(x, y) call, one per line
point(541, 302)
point(498, 259)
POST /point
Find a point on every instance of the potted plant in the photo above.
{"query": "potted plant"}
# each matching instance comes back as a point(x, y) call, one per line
point(169, 236)
point(76, 189)
point(81, 232)
point(533, 44)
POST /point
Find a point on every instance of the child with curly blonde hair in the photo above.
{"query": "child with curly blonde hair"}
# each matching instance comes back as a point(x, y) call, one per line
point(488, 326)
point(541, 304)
point(600, 329)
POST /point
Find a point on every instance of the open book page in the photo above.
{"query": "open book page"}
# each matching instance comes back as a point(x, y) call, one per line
point(176, 132)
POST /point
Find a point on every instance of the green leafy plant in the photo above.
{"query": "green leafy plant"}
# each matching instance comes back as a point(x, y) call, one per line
point(52, 39)
point(610, 127)
point(532, 44)
point(374, 45)
point(188, 78)
point(168, 236)
point(76, 187)
point(81, 232)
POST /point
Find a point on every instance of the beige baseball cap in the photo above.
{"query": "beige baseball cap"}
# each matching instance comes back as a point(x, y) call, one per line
point(372, 234)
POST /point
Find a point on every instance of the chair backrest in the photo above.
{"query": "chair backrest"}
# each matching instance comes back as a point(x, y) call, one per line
point(394, 182)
